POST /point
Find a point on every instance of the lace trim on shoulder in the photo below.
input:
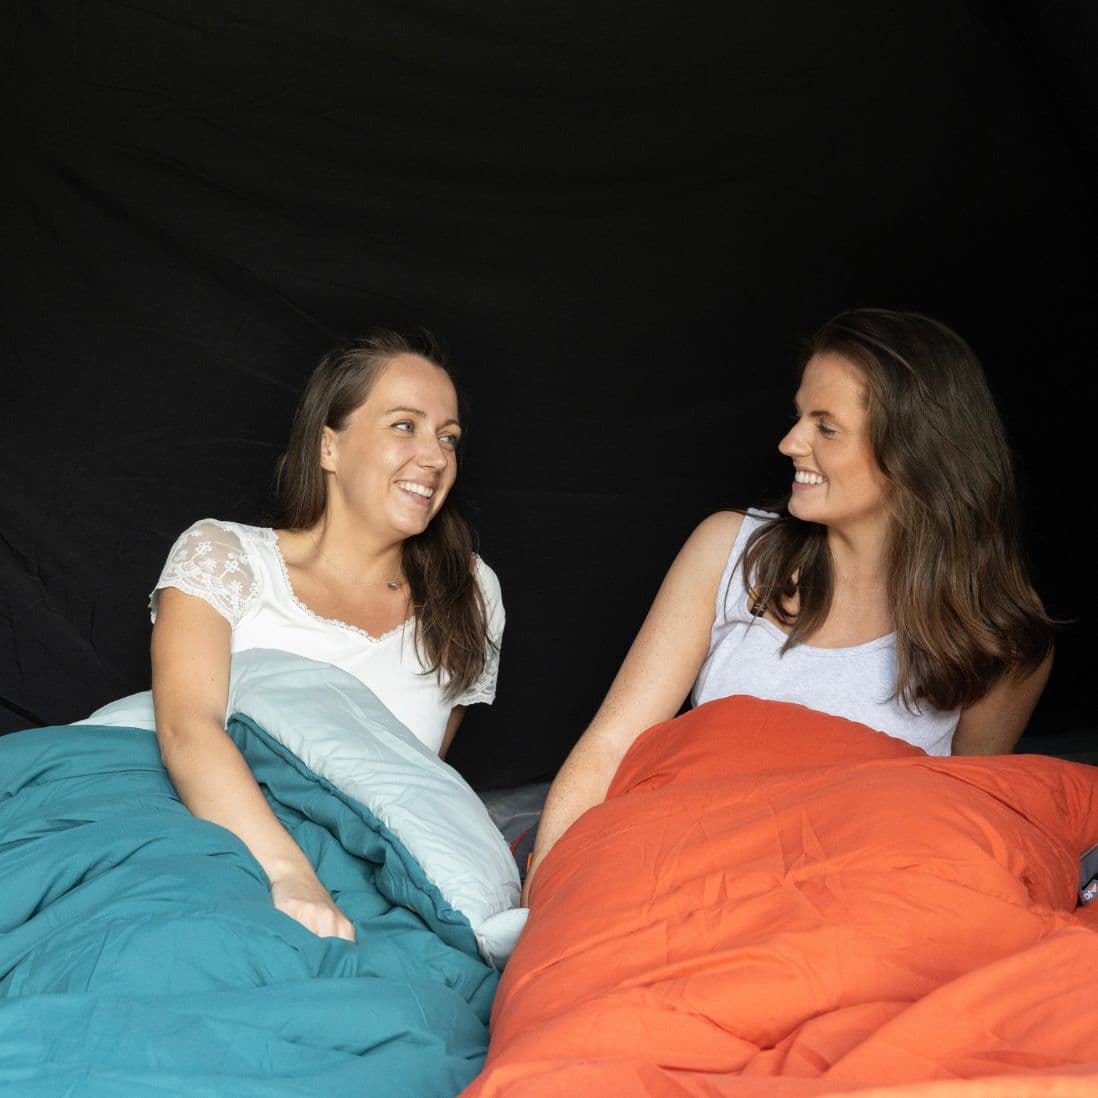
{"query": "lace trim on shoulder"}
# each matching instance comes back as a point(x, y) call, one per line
point(320, 617)
point(484, 689)
point(212, 570)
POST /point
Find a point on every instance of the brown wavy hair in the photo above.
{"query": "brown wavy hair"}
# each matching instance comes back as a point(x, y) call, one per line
point(964, 610)
point(451, 618)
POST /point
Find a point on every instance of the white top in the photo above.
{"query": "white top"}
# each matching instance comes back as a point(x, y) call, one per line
point(855, 682)
point(240, 572)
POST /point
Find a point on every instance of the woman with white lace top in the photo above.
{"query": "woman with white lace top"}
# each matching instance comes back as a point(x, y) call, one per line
point(371, 568)
point(888, 586)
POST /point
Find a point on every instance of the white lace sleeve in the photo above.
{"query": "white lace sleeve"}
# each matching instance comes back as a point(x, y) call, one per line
point(484, 689)
point(210, 561)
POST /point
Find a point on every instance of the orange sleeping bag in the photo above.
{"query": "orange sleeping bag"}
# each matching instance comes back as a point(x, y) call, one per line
point(774, 901)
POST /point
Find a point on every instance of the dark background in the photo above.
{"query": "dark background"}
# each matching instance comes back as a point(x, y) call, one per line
point(620, 217)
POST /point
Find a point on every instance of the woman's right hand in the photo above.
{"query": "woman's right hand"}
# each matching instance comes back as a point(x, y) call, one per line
point(304, 898)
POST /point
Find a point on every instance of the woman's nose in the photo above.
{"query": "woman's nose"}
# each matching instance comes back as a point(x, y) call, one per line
point(794, 441)
point(433, 454)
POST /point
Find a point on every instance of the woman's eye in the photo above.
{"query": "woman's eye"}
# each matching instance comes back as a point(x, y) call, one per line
point(450, 440)
point(826, 431)
point(405, 425)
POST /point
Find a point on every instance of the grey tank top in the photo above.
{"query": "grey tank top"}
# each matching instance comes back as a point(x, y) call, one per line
point(855, 682)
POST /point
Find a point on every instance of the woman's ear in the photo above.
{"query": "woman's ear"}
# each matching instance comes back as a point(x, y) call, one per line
point(327, 450)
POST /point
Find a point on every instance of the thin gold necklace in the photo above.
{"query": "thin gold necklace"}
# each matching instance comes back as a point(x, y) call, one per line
point(393, 584)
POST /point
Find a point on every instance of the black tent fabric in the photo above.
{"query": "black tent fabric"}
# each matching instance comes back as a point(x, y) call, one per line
point(620, 218)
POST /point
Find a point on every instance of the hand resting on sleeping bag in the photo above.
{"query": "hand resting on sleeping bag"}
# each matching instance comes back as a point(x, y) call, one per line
point(190, 672)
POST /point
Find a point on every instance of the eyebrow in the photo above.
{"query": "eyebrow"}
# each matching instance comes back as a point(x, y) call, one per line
point(817, 413)
point(419, 412)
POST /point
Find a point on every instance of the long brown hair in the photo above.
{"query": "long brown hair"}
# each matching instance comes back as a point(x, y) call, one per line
point(962, 604)
point(451, 618)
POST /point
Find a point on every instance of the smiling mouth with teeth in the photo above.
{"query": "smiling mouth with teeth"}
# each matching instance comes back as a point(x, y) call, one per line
point(416, 489)
point(801, 477)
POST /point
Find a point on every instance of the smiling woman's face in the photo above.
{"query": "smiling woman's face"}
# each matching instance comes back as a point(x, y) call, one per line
point(393, 464)
point(837, 480)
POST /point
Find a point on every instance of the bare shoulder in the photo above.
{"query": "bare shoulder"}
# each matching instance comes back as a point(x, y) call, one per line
point(712, 539)
point(294, 545)
point(701, 560)
point(720, 527)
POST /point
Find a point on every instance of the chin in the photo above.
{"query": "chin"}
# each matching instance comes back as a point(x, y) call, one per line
point(795, 508)
point(410, 527)
point(411, 519)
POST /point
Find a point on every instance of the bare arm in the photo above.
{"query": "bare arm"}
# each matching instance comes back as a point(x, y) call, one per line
point(651, 685)
point(190, 675)
point(994, 724)
point(451, 728)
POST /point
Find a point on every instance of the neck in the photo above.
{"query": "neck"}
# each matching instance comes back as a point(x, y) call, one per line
point(353, 556)
point(858, 561)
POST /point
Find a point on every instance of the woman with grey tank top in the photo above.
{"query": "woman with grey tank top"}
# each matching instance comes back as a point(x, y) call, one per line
point(888, 586)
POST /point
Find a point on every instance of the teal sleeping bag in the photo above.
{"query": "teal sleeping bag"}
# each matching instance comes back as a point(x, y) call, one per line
point(140, 953)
